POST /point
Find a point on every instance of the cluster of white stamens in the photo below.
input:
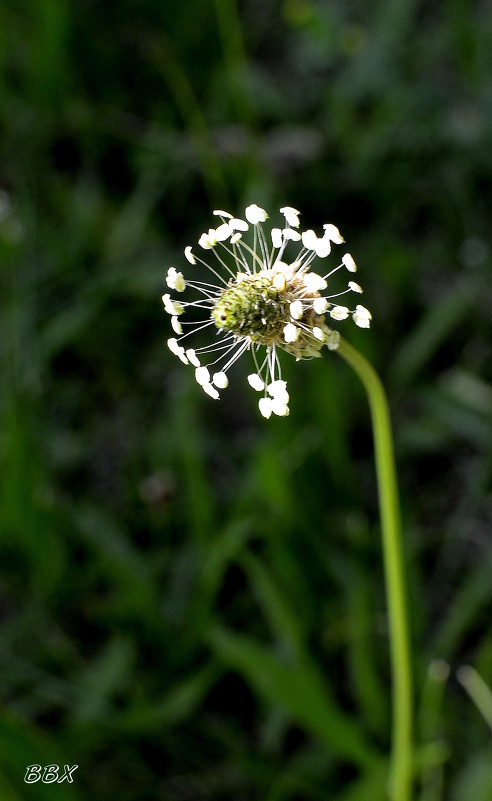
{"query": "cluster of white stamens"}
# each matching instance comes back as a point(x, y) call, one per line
point(260, 302)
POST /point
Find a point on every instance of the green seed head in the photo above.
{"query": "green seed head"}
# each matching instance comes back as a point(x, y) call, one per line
point(253, 307)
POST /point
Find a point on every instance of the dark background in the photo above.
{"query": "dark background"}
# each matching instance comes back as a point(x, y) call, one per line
point(191, 597)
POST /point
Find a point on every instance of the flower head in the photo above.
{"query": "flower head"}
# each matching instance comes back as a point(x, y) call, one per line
point(261, 300)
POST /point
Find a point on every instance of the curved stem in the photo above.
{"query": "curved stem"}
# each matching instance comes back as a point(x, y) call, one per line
point(402, 694)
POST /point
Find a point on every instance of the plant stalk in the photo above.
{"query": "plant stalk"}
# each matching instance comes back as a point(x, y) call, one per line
point(400, 785)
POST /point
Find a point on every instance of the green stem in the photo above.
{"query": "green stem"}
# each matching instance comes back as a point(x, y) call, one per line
point(402, 694)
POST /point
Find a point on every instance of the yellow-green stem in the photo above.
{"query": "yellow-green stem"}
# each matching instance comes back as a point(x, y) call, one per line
point(400, 786)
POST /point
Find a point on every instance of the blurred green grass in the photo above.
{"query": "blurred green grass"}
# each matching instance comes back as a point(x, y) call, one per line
point(191, 600)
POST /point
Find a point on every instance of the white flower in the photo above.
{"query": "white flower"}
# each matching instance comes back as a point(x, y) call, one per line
point(258, 298)
point(291, 216)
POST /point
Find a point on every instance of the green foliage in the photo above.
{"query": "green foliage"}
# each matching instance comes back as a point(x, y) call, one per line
point(191, 598)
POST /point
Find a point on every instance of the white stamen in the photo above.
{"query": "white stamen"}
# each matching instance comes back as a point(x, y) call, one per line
point(314, 282)
point(176, 325)
point(220, 213)
point(362, 317)
point(254, 214)
point(320, 305)
point(291, 216)
point(210, 390)
point(332, 232)
point(194, 360)
point(349, 263)
point(276, 237)
point(189, 255)
point(339, 312)
point(265, 406)
point(296, 310)
point(291, 332)
point(202, 375)
point(220, 380)
point(279, 281)
point(256, 382)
